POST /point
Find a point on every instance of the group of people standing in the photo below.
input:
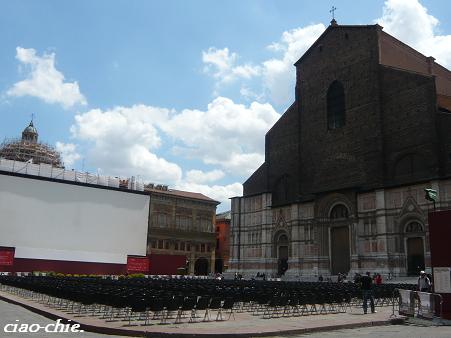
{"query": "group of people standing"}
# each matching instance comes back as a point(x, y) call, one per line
point(366, 282)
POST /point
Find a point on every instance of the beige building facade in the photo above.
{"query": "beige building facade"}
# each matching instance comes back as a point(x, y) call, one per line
point(182, 223)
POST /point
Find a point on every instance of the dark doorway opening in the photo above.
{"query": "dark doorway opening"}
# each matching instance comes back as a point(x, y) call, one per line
point(341, 262)
point(218, 265)
point(415, 256)
point(282, 254)
point(201, 267)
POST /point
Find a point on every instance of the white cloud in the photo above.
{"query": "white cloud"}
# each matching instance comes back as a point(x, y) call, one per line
point(124, 142)
point(68, 152)
point(199, 176)
point(410, 22)
point(277, 74)
point(227, 134)
point(44, 81)
point(220, 193)
point(127, 140)
point(221, 65)
point(248, 94)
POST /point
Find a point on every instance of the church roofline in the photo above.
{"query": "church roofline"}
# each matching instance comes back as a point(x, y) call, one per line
point(308, 51)
point(417, 53)
point(407, 71)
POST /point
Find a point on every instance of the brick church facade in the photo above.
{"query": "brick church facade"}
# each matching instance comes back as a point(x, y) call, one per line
point(342, 186)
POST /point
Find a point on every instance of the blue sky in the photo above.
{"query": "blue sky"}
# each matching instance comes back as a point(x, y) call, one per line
point(175, 92)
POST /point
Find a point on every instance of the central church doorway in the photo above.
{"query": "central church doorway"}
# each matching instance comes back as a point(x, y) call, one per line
point(339, 240)
point(340, 250)
point(282, 254)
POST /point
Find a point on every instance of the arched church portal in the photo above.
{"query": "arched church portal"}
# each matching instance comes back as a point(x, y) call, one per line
point(201, 267)
point(414, 248)
point(339, 240)
point(282, 253)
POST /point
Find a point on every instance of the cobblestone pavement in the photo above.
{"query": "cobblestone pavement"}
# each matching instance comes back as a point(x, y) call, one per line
point(390, 331)
point(10, 313)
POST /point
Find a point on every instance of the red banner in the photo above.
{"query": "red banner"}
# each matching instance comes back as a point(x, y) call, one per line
point(6, 257)
point(138, 264)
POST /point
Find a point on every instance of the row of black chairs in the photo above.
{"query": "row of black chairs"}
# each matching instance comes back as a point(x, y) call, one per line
point(166, 299)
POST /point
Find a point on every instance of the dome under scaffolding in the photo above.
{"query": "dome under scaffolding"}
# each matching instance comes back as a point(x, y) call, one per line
point(28, 149)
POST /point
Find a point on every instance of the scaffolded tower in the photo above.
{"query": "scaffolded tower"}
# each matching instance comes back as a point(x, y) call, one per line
point(28, 149)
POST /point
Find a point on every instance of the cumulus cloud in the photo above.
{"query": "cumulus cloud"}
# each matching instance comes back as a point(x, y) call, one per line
point(199, 176)
point(227, 134)
point(220, 193)
point(277, 74)
point(221, 64)
point(44, 81)
point(200, 181)
point(68, 152)
point(410, 22)
point(124, 140)
point(127, 140)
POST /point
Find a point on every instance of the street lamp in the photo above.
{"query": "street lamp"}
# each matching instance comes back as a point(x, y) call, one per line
point(431, 195)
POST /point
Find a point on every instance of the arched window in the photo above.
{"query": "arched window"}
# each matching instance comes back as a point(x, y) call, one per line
point(336, 117)
point(282, 239)
point(414, 227)
point(339, 211)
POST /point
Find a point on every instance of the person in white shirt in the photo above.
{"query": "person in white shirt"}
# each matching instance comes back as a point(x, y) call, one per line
point(424, 284)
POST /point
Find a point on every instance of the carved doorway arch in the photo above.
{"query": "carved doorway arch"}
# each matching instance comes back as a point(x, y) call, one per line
point(340, 249)
point(414, 232)
point(281, 241)
point(201, 266)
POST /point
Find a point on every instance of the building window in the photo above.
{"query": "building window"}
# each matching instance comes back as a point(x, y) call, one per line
point(184, 222)
point(205, 224)
point(336, 116)
point(166, 245)
point(176, 246)
point(160, 220)
point(182, 246)
point(188, 247)
point(160, 244)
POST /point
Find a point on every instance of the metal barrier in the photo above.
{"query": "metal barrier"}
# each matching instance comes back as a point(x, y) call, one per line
point(418, 304)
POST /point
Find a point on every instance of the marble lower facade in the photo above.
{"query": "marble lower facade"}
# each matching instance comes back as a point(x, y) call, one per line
point(382, 231)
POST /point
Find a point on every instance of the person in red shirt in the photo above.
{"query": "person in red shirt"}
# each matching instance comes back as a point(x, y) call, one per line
point(378, 279)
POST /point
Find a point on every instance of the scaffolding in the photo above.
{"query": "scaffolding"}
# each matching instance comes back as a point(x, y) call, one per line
point(59, 173)
point(28, 151)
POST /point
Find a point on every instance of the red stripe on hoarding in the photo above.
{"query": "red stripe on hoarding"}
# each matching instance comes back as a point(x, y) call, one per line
point(71, 267)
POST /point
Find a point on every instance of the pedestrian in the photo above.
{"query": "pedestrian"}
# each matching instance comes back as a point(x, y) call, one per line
point(378, 279)
point(366, 285)
point(320, 278)
point(424, 283)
